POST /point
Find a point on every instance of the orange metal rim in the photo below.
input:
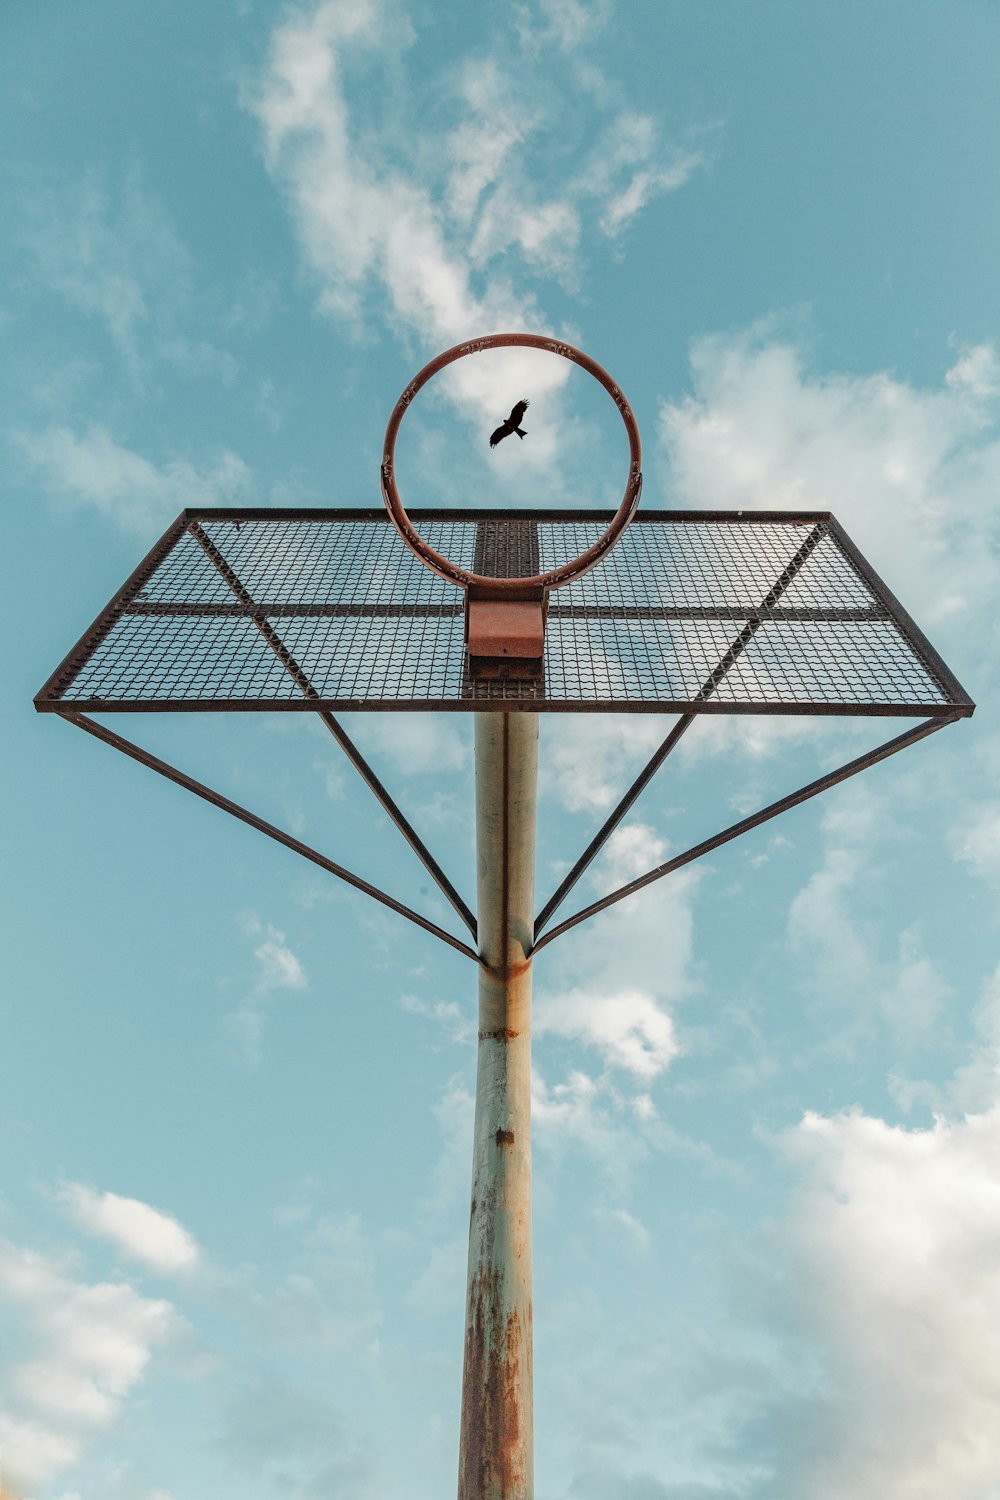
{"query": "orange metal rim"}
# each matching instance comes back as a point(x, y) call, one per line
point(484, 583)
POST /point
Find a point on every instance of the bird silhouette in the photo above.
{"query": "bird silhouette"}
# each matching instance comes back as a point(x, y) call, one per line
point(512, 424)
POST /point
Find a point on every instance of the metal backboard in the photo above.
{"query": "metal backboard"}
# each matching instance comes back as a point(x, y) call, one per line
point(327, 609)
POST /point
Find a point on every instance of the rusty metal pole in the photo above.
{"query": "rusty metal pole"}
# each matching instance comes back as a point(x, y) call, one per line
point(496, 1458)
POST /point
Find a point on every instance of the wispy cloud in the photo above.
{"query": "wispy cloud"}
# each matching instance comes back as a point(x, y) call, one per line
point(112, 253)
point(277, 969)
point(590, 758)
point(451, 239)
point(566, 24)
point(106, 253)
point(453, 1019)
point(326, 1299)
point(361, 218)
point(851, 955)
point(298, 1441)
point(974, 1086)
point(630, 166)
point(588, 1114)
point(417, 744)
point(92, 469)
point(977, 842)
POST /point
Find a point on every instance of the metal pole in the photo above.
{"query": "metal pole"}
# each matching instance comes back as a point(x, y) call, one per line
point(496, 1458)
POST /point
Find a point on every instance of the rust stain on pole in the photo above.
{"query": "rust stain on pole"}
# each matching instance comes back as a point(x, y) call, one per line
point(496, 1460)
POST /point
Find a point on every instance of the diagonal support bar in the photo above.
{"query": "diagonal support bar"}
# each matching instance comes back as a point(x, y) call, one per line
point(295, 671)
point(396, 816)
point(871, 758)
point(607, 828)
point(649, 770)
point(180, 778)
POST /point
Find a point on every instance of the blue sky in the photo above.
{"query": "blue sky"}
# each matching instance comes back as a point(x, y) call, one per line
point(236, 1105)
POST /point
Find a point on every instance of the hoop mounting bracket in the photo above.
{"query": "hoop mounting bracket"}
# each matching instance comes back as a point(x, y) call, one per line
point(506, 637)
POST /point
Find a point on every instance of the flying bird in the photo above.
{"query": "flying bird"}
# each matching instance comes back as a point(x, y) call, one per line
point(512, 424)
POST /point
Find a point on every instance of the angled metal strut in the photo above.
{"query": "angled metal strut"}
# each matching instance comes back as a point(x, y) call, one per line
point(729, 656)
point(870, 758)
point(261, 615)
point(736, 648)
point(180, 778)
point(339, 733)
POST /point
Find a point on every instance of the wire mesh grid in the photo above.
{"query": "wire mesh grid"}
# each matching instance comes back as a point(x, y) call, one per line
point(704, 612)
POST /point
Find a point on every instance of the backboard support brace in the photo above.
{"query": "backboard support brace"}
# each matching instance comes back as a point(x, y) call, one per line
point(505, 640)
point(697, 851)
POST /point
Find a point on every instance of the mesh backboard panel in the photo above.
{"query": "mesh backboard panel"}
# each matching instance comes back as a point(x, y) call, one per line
point(711, 612)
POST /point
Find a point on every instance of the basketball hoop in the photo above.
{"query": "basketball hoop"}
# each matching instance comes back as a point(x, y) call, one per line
point(505, 617)
point(262, 609)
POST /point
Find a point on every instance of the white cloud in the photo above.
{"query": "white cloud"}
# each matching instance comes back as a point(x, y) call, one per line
point(75, 1352)
point(626, 1026)
point(327, 1300)
point(977, 371)
point(895, 1239)
point(440, 1286)
point(643, 186)
point(585, 1112)
point(277, 969)
point(645, 942)
point(432, 229)
point(632, 850)
point(142, 1232)
point(91, 468)
point(976, 1085)
point(610, 987)
point(636, 1235)
point(490, 199)
point(34, 1452)
point(894, 1234)
point(616, 1131)
point(293, 1441)
point(452, 234)
point(359, 216)
point(912, 473)
point(754, 738)
point(591, 759)
point(451, 1176)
